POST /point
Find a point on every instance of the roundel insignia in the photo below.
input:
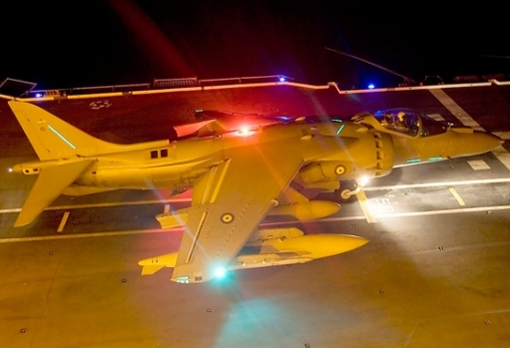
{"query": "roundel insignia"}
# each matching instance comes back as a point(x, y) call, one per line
point(340, 170)
point(227, 218)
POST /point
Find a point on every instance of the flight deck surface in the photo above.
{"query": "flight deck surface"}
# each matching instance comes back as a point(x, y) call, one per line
point(435, 272)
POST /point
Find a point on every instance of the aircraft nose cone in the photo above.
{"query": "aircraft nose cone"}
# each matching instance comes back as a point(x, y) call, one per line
point(485, 142)
point(497, 139)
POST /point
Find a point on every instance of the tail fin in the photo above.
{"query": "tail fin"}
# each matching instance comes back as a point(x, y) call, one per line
point(53, 138)
point(68, 152)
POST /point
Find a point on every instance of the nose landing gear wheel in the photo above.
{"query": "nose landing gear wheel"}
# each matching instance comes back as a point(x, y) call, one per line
point(345, 194)
point(348, 190)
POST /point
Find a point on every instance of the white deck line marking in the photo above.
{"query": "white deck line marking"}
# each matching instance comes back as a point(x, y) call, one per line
point(439, 184)
point(500, 152)
point(437, 117)
point(455, 109)
point(498, 311)
point(63, 222)
point(444, 211)
point(478, 165)
point(84, 235)
point(458, 248)
point(185, 200)
point(502, 135)
point(363, 203)
point(457, 196)
point(502, 155)
point(101, 205)
point(11, 210)
point(285, 223)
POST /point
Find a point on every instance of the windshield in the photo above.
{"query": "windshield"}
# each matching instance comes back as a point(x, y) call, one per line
point(401, 120)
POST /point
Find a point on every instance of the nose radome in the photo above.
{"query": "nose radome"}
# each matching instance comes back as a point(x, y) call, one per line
point(498, 139)
point(475, 143)
point(486, 142)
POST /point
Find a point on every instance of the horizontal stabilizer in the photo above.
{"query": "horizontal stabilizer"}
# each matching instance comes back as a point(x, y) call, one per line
point(149, 270)
point(50, 183)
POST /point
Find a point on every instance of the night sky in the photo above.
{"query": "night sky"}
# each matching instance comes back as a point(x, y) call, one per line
point(116, 42)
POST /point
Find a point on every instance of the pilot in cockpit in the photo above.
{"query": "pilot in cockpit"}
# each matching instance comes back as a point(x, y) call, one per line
point(402, 121)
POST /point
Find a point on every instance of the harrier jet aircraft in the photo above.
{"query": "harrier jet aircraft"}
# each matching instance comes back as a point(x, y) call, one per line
point(238, 177)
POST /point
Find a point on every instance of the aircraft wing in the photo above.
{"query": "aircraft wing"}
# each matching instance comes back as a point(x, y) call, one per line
point(228, 204)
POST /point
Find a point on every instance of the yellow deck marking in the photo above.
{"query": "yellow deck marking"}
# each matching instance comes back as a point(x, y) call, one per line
point(63, 222)
point(363, 203)
point(457, 196)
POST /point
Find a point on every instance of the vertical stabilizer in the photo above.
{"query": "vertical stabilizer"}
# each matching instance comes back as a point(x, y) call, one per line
point(53, 138)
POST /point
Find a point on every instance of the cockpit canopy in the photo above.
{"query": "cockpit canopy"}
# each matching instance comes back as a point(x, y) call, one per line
point(401, 120)
point(410, 122)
